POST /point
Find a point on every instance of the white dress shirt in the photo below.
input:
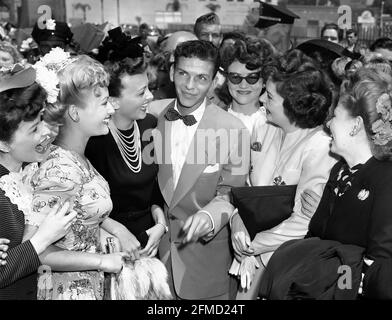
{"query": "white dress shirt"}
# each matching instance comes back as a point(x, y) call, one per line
point(181, 138)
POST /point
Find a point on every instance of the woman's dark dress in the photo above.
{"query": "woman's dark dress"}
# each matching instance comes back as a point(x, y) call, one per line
point(132, 194)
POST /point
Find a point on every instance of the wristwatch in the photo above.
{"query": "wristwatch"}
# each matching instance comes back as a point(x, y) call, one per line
point(166, 228)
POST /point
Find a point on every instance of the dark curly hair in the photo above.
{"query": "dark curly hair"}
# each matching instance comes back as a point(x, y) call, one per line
point(306, 90)
point(17, 105)
point(234, 35)
point(252, 52)
point(117, 69)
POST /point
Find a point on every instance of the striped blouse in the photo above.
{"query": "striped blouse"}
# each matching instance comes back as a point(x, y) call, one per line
point(18, 279)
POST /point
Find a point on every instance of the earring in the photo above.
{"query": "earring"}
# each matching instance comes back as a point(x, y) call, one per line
point(353, 132)
point(4, 147)
point(74, 115)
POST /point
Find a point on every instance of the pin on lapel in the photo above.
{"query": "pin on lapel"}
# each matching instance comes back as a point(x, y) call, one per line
point(278, 181)
point(363, 194)
point(256, 146)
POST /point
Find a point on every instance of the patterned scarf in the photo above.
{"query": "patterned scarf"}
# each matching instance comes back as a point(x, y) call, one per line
point(345, 178)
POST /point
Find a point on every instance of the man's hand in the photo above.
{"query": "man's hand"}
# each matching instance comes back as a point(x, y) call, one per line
point(197, 226)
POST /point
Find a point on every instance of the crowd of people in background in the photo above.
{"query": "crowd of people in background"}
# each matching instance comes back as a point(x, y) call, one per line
point(105, 146)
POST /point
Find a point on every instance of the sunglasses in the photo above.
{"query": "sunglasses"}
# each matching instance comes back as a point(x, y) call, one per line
point(235, 78)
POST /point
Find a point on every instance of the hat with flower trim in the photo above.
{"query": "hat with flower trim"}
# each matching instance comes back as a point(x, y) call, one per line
point(17, 77)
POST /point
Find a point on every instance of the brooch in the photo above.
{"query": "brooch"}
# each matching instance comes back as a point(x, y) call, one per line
point(363, 194)
point(256, 146)
point(278, 181)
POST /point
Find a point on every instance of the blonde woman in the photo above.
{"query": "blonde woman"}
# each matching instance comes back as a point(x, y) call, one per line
point(68, 175)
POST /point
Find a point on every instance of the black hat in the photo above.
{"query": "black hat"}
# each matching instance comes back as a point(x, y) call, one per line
point(61, 33)
point(326, 48)
point(131, 48)
point(272, 14)
point(118, 46)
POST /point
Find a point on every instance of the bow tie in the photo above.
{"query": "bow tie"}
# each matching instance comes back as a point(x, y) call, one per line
point(173, 115)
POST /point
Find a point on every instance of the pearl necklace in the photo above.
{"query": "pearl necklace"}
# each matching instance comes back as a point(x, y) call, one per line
point(129, 146)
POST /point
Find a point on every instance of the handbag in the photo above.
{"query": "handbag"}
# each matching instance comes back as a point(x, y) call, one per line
point(110, 244)
point(263, 207)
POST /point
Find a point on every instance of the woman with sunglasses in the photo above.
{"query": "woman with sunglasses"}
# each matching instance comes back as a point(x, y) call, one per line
point(291, 149)
point(242, 63)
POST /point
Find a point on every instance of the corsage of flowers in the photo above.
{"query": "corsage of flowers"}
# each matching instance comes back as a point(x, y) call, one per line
point(47, 68)
point(383, 127)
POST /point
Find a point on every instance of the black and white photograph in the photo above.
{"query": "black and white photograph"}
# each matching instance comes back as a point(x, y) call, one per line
point(196, 154)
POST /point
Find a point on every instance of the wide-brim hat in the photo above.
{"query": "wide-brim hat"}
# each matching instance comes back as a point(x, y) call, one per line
point(18, 77)
point(272, 14)
point(326, 47)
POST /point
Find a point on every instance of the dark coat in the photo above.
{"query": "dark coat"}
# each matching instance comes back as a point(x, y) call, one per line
point(315, 275)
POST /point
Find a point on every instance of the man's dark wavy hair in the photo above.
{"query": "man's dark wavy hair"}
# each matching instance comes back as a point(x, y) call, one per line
point(203, 50)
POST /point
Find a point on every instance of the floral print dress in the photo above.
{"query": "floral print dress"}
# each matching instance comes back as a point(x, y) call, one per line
point(64, 176)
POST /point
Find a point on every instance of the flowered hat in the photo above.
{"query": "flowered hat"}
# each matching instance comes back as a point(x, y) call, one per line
point(16, 77)
point(47, 69)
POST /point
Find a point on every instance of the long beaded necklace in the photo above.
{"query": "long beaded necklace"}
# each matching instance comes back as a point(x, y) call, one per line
point(129, 146)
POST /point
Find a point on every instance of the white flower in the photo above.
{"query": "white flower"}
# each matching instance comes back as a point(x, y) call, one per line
point(363, 194)
point(55, 59)
point(48, 80)
point(50, 24)
point(47, 68)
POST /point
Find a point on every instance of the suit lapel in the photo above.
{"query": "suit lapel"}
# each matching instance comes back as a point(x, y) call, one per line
point(162, 145)
point(191, 170)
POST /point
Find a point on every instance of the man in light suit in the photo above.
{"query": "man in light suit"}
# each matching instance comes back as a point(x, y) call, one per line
point(202, 152)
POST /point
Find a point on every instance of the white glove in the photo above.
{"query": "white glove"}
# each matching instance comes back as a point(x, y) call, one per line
point(247, 271)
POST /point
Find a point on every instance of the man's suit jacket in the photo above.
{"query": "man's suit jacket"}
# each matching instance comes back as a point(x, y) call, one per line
point(200, 269)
